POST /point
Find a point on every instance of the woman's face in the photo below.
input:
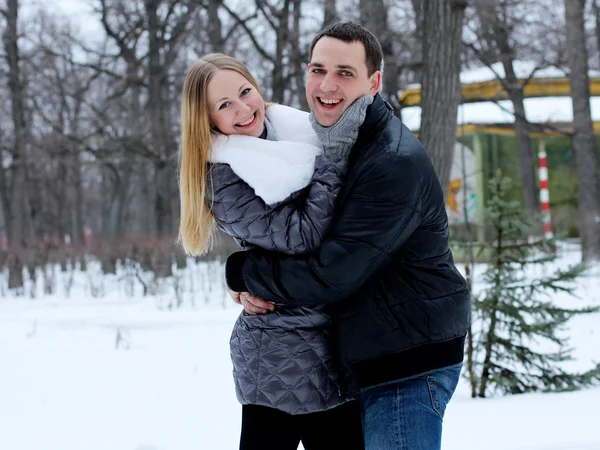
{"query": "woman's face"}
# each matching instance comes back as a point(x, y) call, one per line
point(234, 105)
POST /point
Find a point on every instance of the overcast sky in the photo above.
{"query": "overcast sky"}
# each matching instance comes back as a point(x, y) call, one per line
point(80, 12)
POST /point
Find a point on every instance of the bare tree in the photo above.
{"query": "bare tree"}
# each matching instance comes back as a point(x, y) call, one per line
point(373, 15)
point(165, 36)
point(15, 199)
point(59, 91)
point(417, 6)
point(442, 49)
point(331, 16)
point(215, 26)
point(285, 55)
point(298, 56)
point(497, 22)
point(166, 25)
point(584, 142)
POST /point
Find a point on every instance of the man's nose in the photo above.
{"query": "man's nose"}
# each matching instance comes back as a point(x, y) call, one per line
point(328, 84)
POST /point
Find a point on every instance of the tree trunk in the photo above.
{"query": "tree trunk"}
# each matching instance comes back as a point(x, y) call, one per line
point(596, 9)
point(78, 223)
point(524, 152)
point(148, 195)
point(495, 33)
point(118, 202)
point(215, 27)
point(4, 201)
point(417, 53)
point(442, 47)
point(16, 217)
point(331, 15)
point(583, 142)
point(157, 109)
point(282, 34)
point(515, 91)
point(373, 15)
point(297, 57)
point(62, 199)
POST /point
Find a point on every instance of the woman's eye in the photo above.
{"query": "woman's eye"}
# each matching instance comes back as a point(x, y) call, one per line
point(245, 91)
point(224, 105)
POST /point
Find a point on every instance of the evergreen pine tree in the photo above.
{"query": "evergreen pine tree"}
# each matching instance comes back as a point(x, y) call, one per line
point(515, 319)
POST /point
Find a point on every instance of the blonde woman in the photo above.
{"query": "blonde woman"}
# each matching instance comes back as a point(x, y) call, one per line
point(261, 174)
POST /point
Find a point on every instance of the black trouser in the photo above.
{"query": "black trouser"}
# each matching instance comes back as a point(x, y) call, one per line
point(270, 429)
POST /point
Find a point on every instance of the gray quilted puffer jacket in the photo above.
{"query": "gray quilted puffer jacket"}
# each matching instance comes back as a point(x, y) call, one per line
point(282, 359)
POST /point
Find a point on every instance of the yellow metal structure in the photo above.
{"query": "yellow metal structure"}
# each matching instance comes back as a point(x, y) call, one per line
point(546, 130)
point(492, 90)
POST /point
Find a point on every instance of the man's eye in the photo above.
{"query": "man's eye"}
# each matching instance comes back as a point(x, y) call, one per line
point(317, 71)
point(224, 105)
point(246, 91)
point(345, 73)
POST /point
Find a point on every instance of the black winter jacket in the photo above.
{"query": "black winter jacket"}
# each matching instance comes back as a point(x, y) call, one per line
point(400, 306)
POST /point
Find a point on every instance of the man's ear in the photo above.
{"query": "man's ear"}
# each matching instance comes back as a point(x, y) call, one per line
point(375, 81)
point(308, 67)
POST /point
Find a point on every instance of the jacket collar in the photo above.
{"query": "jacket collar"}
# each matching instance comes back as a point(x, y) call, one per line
point(378, 115)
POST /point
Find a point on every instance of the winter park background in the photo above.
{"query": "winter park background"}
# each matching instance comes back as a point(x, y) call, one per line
point(112, 339)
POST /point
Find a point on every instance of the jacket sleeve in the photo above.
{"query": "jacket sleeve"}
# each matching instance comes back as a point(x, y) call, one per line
point(382, 211)
point(292, 227)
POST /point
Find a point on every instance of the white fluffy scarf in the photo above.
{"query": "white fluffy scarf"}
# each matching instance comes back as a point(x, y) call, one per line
point(274, 169)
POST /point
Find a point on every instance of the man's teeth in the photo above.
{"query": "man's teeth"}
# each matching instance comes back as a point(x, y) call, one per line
point(330, 102)
point(248, 122)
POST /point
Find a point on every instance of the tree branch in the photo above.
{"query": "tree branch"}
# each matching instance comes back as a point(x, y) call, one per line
point(242, 22)
point(260, 5)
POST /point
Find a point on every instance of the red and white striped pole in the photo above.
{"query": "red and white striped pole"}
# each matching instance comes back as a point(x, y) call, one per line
point(544, 193)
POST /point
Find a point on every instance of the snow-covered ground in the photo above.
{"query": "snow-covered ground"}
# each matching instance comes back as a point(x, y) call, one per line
point(123, 372)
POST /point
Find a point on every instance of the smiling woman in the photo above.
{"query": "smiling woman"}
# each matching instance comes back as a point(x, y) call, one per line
point(262, 175)
point(235, 105)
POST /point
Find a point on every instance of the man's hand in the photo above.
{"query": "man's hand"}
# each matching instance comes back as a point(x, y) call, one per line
point(252, 305)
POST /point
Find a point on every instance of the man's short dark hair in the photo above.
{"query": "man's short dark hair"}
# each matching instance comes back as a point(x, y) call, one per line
point(353, 32)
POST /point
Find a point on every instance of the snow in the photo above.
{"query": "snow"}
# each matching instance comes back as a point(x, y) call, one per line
point(537, 110)
point(523, 70)
point(66, 385)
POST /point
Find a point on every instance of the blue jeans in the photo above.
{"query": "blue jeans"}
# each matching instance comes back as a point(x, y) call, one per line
point(407, 414)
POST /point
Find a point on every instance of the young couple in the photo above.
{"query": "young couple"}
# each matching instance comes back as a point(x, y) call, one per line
point(354, 314)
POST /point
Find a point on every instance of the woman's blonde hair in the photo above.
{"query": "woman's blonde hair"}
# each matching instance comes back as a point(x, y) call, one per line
point(197, 224)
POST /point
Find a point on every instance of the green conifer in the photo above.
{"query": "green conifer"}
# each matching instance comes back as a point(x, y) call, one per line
point(515, 317)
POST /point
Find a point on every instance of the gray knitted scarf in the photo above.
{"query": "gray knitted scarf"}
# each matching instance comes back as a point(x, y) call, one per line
point(339, 138)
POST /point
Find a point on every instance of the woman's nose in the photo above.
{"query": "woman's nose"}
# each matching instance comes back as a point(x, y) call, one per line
point(243, 108)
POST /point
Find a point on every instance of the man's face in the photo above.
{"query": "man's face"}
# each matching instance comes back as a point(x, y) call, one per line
point(338, 75)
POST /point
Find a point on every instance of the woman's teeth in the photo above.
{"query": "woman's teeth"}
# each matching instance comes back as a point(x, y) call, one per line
point(248, 122)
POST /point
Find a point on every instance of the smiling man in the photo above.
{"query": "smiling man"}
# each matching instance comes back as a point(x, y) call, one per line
point(338, 74)
point(385, 269)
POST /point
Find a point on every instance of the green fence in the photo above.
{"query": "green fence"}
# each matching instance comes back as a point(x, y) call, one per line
point(499, 151)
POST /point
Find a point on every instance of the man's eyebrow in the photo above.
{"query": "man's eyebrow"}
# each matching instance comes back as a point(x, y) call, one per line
point(225, 98)
point(339, 66)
